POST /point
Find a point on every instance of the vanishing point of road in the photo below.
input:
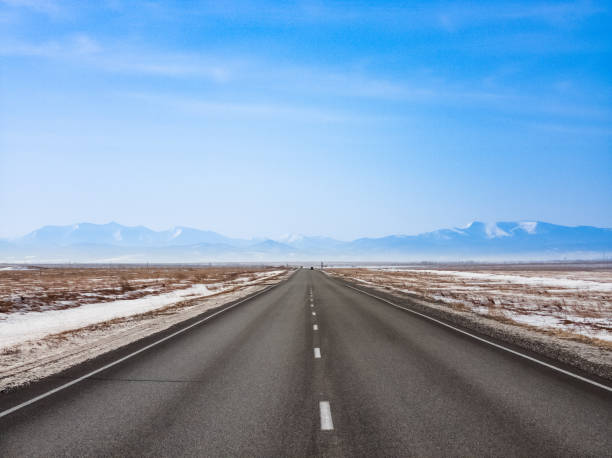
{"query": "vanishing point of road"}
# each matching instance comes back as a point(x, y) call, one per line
point(310, 367)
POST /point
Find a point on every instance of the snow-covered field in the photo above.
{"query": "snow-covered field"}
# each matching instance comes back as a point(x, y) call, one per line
point(18, 327)
point(569, 304)
point(57, 333)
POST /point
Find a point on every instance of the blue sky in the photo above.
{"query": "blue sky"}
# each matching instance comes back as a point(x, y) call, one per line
point(344, 119)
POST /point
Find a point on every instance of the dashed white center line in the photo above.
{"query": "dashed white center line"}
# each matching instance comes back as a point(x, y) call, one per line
point(314, 313)
point(312, 305)
point(315, 327)
point(326, 419)
point(317, 353)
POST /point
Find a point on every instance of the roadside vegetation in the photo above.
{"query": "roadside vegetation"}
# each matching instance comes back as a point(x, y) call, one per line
point(57, 288)
point(569, 304)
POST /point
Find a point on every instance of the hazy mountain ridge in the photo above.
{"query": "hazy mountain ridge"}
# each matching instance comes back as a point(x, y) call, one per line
point(114, 242)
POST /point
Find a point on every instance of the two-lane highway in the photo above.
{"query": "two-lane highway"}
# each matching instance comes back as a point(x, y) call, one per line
point(315, 368)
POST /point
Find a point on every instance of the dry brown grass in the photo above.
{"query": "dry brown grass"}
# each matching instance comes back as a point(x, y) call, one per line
point(58, 288)
point(562, 311)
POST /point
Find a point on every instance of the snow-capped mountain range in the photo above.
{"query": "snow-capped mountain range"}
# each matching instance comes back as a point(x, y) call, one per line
point(112, 242)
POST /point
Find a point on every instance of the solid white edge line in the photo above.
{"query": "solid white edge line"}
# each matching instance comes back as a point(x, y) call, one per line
point(501, 347)
point(326, 419)
point(315, 327)
point(120, 360)
point(317, 352)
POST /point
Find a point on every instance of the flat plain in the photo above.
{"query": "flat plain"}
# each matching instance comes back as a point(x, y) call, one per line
point(564, 300)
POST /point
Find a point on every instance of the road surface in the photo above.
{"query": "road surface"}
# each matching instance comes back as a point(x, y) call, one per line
point(343, 374)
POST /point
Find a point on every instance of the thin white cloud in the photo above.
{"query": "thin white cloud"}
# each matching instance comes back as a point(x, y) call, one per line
point(49, 7)
point(219, 109)
point(84, 50)
point(168, 66)
point(272, 79)
point(573, 129)
point(74, 46)
point(458, 16)
point(47, 49)
point(445, 15)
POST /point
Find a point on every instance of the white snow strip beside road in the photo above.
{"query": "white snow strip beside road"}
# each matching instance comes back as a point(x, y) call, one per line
point(518, 279)
point(19, 327)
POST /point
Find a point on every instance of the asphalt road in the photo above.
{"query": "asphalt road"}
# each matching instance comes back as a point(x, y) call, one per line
point(249, 382)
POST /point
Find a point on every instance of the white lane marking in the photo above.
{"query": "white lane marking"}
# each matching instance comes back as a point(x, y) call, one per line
point(311, 304)
point(315, 327)
point(314, 313)
point(317, 352)
point(493, 344)
point(326, 419)
point(137, 352)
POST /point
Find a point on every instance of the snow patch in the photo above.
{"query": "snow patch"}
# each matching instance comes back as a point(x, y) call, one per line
point(290, 238)
point(19, 327)
point(526, 280)
point(528, 226)
point(493, 230)
point(467, 226)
